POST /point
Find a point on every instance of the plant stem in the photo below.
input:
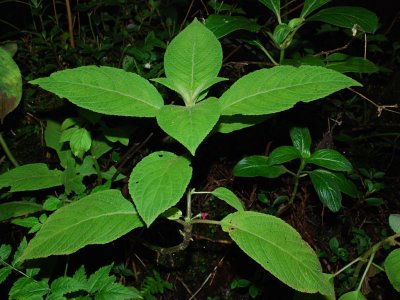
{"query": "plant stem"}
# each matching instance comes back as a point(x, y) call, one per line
point(7, 151)
point(347, 266)
point(266, 53)
point(296, 181)
point(210, 222)
point(371, 259)
point(281, 56)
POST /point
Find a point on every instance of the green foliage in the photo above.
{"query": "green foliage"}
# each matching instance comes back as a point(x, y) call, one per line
point(392, 265)
point(153, 285)
point(229, 197)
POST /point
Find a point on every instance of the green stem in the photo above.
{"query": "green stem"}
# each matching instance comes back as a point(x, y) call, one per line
point(7, 151)
point(209, 222)
point(347, 266)
point(281, 56)
point(97, 167)
point(296, 181)
point(266, 53)
point(371, 259)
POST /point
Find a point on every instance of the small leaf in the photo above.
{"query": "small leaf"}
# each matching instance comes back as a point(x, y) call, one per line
point(28, 289)
point(279, 88)
point(274, 6)
point(353, 295)
point(347, 17)
point(80, 142)
point(30, 177)
point(158, 182)
point(64, 285)
point(345, 185)
point(5, 251)
point(105, 90)
point(189, 125)
point(281, 32)
point(100, 278)
point(28, 222)
point(327, 189)
point(345, 64)
point(394, 222)
point(52, 204)
point(257, 165)
point(283, 154)
point(312, 5)
point(18, 208)
point(95, 219)
point(279, 248)
point(301, 140)
point(228, 124)
point(222, 25)
point(330, 159)
point(392, 267)
point(229, 197)
point(4, 273)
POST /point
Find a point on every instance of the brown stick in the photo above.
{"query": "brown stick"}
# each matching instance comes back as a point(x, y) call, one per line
point(70, 26)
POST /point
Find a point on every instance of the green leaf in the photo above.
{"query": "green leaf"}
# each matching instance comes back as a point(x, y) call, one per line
point(228, 124)
point(192, 62)
point(28, 222)
point(30, 177)
point(274, 6)
point(105, 90)
point(18, 208)
point(28, 289)
point(283, 154)
point(394, 222)
point(100, 147)
point(279, 248)
point(158, 182)
point(117, 291)
point(100, 278)
point(64, 285)
point(392, 267)
point(348, 17)
point(327, 189)
point(229, 197)
point(5, 251)
point(353, 295)
point(330, 159)
point(10, 84)
point(345, 185)
point(311, 5)
point(345, 64)
point(257, 165)
point(95, 219)
point(4, 273)
point(80, 142)
point(72, 181)
point(52, 136)
point(279, 88)
point(301, 140)
point(189, 125)
point(222, 25)
point(281, 32)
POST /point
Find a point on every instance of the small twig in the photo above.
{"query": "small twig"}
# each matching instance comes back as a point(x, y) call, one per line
point(70, 26)
point(201, 237)
point(186, 16)
point(327, 52)
point(186, 287)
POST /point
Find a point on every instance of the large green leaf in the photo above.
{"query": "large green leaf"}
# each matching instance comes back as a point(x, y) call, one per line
point(311, 5)
point(189, 125)
point(283, 154)
point(158, 182)
point(229, 197)
point(279, 88)
point(330, 159)
point(95, 219)
point(279, 248)
point(348, 17)
point(18, 208)
point(223, 25)
point(105, 90)
point(327, 189)
point(394, 222)
point(301, 140)
point(353, 295)
point(274, 6)
point(257, 165)
point(30, 177)
point(350, 64)
point(10, 84)
point(392, 267)
point(192, 62)
point(228, 124)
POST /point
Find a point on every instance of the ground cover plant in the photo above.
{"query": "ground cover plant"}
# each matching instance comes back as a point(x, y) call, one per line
point(90, 201)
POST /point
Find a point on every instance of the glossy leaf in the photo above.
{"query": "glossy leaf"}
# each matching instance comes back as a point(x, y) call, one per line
point(392, 267)
point(158, 182)
point(189, 125)
point(301, 140)
point(312, 5)
point(274, 6)
point(192, 62)
point(330, 159)
point(99, 218)
point(229, 197)
point(279, 248)
point(350, 64)
point(222, 25)
point(345, 185)
point(257, 165)
point(394, 222)
point(348, 17)
point(353, 295)
point(18, 208)
point(30, 177)
point(283, 154)
point(327, 189)
point(105, 90)
point(279, 88)
point(10, 84)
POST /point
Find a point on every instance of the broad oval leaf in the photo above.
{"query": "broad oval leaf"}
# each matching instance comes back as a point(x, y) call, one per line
point(353, 295)
point(283, 154)
point(189, 125)
point(257, 165)
point(222, 25)
point(95, 219)
point(345, 64)
point(80, 142)
point(279, 248)
point(158, 182)
point(280, 88)
point(10, 84)
point(327, 189)
point(229, 197)
point(17, 208)
point(392, 267)
point(330, 159)
point(192, 61)
point(348, 16)
point(105, 90)
point(312, 5)
point(301, 140)
point(30, 177)
point(394, 222)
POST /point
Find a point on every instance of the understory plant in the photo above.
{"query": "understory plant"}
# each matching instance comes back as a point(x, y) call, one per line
point(161, 179)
